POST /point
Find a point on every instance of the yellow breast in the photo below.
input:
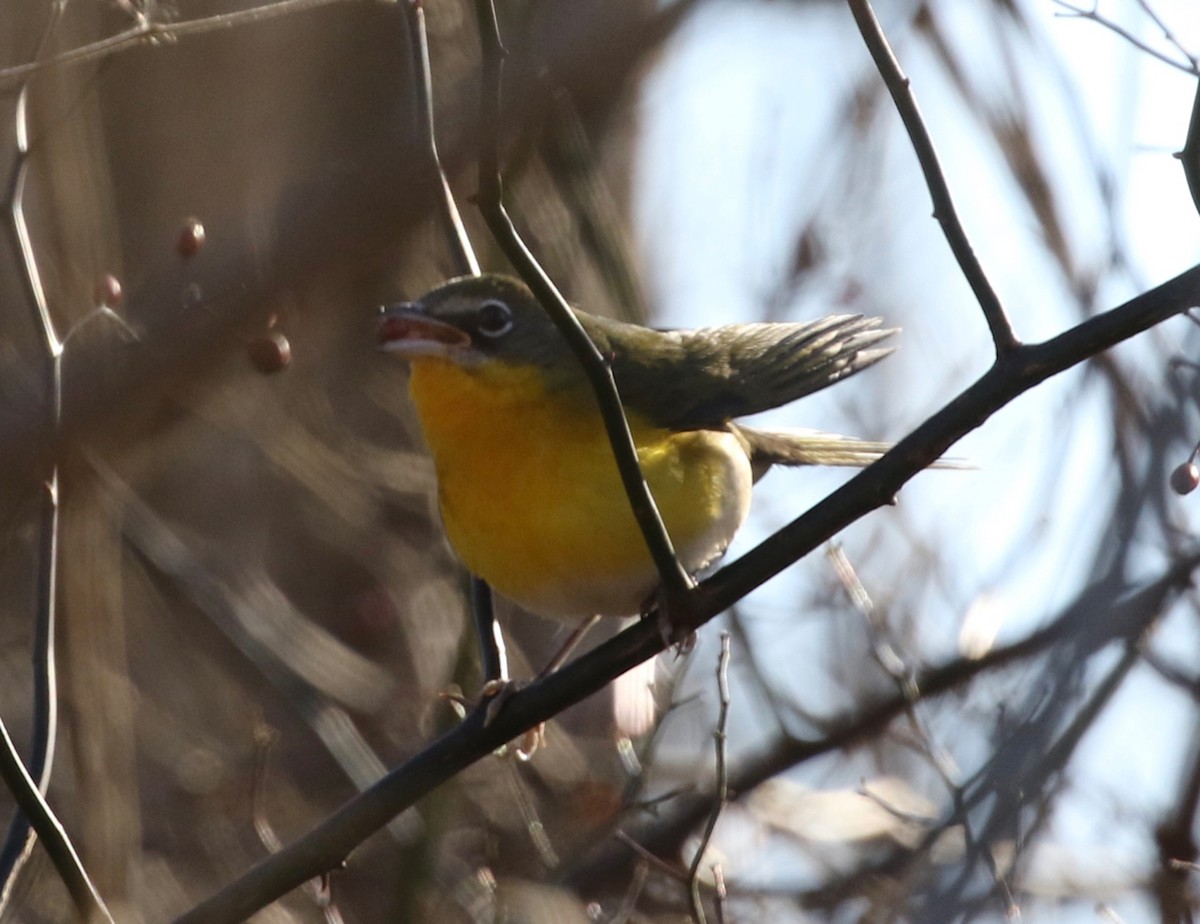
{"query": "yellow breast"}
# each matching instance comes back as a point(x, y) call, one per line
point(532, 501)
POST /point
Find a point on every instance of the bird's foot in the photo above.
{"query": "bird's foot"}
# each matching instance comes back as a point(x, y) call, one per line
point(495, 693)
point(492, 697)
point(681, 641)
point(658, 605)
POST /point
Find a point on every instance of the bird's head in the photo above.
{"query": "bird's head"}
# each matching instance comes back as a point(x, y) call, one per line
point(471, 320)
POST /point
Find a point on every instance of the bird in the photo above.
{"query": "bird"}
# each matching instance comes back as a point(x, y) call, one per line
point(529, 491)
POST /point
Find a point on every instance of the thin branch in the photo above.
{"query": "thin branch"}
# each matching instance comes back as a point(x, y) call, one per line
point(637, 883)
point(1078, 12)
point(883, 651)
point(1000, 795)
point(535, 828)
point(19, 840)
point(721, 895)
point(944, 211)
point(676, 582)
point(647, 858)
point(53, 837)
point(457, 240)
point(493, 659)
point(1169, 34)
point(886, 655)
point(145, 32)
point(721, 796)
point(317, 888)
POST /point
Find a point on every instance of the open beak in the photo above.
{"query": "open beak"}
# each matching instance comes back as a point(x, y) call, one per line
point(406, 329)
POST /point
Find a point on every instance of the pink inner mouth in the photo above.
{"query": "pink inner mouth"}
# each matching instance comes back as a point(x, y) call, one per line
point(395, 328)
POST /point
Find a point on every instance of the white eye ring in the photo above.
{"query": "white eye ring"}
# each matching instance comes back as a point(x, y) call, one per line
point(494, 319)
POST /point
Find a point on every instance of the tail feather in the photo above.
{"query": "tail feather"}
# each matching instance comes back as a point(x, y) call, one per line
point(813, 447)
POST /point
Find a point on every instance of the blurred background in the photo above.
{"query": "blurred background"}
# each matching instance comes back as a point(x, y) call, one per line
point(253, 608)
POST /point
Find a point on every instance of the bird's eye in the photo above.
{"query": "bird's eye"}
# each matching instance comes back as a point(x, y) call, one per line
point(495, 319)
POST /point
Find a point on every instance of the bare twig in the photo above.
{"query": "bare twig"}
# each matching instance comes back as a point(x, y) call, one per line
point(649, 859)
point(568, 647)
point(944, 211)
point(1169, 34)
point(889, 659)
point(1078, 12)
point(452, 226)
point(721, 794)
point(19, 841)
point(676, 582)
point(528, 810)
point(492, 655)
point(637, 882)
point(882, 649)
point(319, 888)
point(51, 832)
point(145, 32)
point(265, 739)
point(1002, 800)
point(721, 891)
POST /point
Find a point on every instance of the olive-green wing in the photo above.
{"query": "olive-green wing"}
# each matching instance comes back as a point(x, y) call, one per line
point(703, 378)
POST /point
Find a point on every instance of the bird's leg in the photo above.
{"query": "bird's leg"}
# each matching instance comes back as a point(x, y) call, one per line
point(569, 646)
point(498, 691)
point(493, 658)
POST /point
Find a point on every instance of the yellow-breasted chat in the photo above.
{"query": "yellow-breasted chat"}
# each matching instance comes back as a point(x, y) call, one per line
point(529, 492)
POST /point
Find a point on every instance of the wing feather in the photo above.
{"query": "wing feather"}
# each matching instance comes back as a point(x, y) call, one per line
point(704, 378)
